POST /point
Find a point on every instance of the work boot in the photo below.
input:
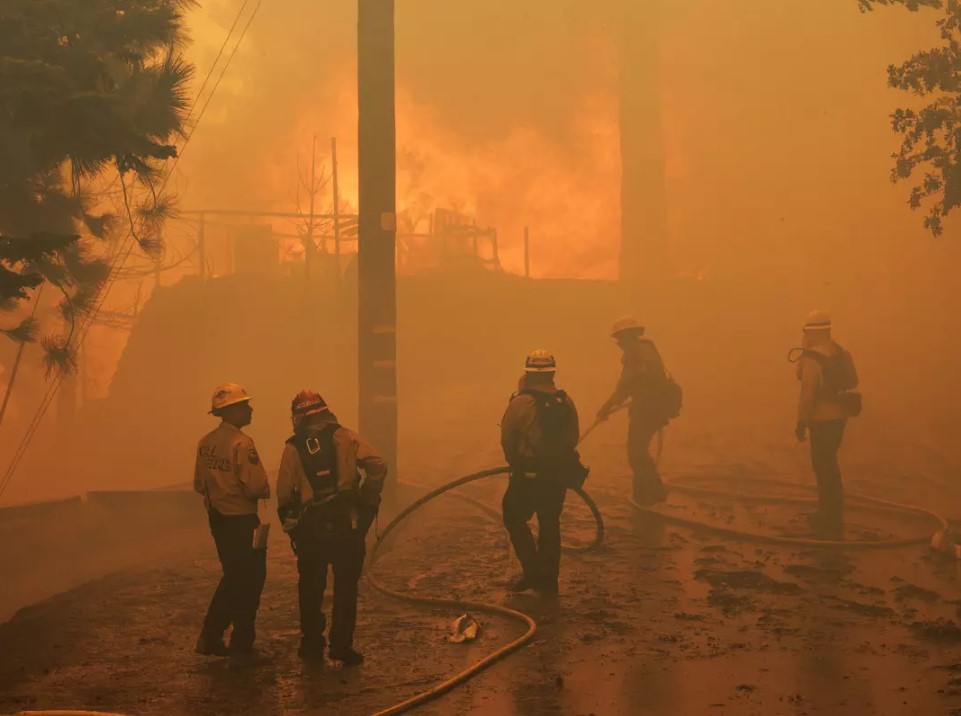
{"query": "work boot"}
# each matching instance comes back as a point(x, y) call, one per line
point(348, 656)
point(523, 584)
point(211, 646)
point(312, 649)
point(548, 587)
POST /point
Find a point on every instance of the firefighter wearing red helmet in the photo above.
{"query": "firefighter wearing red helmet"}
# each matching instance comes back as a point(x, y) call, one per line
point(327, 509)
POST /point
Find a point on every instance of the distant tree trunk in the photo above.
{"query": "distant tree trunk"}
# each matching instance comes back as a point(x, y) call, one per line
point(644, 241)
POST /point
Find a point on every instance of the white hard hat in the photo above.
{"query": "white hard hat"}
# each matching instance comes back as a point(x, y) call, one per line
point(540, 361)
point(623, 325)
point(228, 394)
point(818, 321)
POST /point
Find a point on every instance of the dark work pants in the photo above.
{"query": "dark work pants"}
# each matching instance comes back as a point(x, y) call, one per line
point(648, 487)
point(525, 497)
point(343, 552)
point(826, 438)
point(244, 572)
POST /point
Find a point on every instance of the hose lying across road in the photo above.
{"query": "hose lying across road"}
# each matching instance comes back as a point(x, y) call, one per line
point(694, 486)
point(690, 486)
point(459, 604)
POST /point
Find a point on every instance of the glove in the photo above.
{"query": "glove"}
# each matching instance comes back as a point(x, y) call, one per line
point(800, 432)
point(604, 413)
point(290, 524)
point(370, 500)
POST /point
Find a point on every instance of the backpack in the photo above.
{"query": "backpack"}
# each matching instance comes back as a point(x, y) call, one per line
point(840, 378)
point(555, 413)
point(670, 399)
point(838, 370)
point(660, 397)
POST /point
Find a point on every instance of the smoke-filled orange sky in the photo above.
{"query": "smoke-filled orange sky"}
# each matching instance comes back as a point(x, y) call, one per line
point(776, 122)
point(778, 146)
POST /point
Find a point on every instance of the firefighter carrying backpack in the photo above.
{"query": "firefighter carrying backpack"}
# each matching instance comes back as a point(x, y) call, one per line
point(555, 415)
point(671, 398)
point(318, 457)
point(840, 377)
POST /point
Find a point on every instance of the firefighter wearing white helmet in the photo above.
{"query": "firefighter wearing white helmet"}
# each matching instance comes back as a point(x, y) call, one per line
point(653, 398)
point(539, 434)
point(828, 377)
point(230, 476)
point(327, 510)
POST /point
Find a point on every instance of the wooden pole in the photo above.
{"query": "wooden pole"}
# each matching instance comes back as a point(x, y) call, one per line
point(644, 255)
point(377, 227)
point(336, 189)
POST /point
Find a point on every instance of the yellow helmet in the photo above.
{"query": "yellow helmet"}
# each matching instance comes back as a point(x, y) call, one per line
point(818, 321)
point(624, 325)
point(540, 361)
point(228, 394)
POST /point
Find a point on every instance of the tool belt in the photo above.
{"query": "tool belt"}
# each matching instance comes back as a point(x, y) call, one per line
point(566, 469)
point(344, 515)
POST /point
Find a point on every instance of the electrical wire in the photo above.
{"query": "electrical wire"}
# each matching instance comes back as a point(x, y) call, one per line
point(120, 259)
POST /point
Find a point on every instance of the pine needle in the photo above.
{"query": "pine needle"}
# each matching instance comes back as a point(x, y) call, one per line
point(58, 357)
point(26, 332)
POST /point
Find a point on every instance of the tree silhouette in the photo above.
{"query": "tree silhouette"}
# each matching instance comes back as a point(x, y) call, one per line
point(930, 149)
point(88, 90)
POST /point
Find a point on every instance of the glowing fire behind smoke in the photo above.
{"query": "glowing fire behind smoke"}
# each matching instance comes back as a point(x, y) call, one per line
point(565, 189)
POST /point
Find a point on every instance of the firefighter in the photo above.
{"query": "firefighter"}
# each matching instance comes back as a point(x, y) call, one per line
point(827, 375)
point(643, 377)
point(231, 478)
point(539, 435)
point(327, 510)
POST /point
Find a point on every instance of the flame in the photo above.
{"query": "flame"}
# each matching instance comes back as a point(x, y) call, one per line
point(564, 188)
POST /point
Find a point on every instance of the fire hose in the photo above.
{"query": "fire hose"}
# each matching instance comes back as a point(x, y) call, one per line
point(688, 486)
point(693, 486)
point(460, 604)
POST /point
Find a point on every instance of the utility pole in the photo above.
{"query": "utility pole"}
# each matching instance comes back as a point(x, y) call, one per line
point(644, 240)
point(377, 227)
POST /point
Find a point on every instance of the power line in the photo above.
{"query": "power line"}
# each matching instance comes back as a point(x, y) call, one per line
point(220, 54)
point(213, 91)
point(123, 254)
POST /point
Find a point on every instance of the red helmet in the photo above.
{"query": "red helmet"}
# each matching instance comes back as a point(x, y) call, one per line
point(305, 403)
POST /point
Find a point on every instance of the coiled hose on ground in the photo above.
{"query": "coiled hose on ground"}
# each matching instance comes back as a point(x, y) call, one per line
point(688, 486)
point(459, 604)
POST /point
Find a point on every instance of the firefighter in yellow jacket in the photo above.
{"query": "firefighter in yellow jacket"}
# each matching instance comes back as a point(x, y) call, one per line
point(539, 435)
point(231, 478)
point(327, 510)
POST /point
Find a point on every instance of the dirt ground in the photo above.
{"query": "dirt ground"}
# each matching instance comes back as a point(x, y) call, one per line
point(661, 620)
